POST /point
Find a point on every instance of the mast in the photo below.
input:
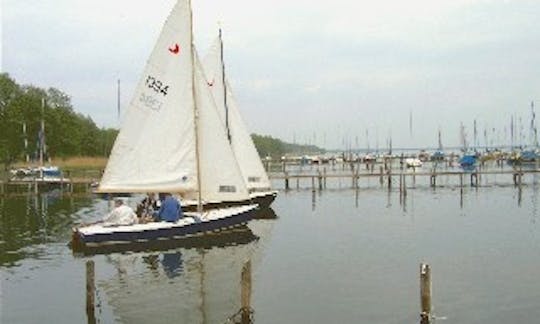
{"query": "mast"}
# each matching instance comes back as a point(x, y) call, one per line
point(224, 87)
point(195, 113)
point(27, 158)
point(440, 142)
point(42, 133)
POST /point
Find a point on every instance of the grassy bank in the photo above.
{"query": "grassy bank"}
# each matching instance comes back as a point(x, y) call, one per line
point(78, 162)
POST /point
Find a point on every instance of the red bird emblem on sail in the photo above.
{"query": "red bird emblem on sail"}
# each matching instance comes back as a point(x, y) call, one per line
point(175, 49)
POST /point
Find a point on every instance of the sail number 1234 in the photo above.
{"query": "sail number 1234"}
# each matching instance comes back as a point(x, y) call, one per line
point(156, 85)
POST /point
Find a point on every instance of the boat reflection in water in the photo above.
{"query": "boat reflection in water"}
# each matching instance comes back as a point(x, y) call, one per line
point(204, 279)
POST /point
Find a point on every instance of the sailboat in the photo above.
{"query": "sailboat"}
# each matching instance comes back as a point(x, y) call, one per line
point(49, 175)
point(172, 140)
point(246, 154)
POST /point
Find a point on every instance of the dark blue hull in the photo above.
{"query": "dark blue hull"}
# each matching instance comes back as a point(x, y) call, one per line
point(196, 228)
point(238, 236)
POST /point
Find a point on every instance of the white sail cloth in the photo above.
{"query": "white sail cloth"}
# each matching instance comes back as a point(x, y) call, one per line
point(172, 110)
point(243, 147)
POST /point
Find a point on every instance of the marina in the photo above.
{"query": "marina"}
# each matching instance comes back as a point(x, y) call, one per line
point(482, 242)
point(269, 162)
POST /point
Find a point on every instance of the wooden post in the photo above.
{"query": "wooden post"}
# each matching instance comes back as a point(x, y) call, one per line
point(324, 173)
point(90, 292)
point(389, 173)
point(381, 181)
point(404, 186)
point(425, 294)
point(520, 175)
point(400, 184)
point(320, 180)
point(246, 292)
point(286, 181)
point(297, 183)
point(312, 183)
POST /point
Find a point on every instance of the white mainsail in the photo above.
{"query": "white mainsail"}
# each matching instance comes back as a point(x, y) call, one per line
point(171, 113)
point(240, 140)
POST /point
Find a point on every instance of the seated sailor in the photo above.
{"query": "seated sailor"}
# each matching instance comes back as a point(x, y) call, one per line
point(170, 210)
point(122, 214)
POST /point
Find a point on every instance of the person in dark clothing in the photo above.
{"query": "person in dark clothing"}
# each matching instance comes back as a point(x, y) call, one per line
point(170, 210)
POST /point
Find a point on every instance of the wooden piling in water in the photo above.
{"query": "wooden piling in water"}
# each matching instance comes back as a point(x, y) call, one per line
point(381, 181)
point(404, 186)
point(90, 291)
point(474, 179)
point(245, 297)
point(312, 183)
point(286, 181)
point(319, 176)
point(425, 294)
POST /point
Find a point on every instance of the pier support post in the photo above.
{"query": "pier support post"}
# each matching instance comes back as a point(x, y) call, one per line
point(474, 179)
point(286, 181)
point(312, 183)
point(90, 292)
point(389, 174)
point(433, 180)
point(246, 292)
point(381, 181)
point(425, 294)
point(319, 176)
point(404, 186)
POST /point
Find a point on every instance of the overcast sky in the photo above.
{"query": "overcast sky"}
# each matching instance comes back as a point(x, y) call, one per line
point(322, 72)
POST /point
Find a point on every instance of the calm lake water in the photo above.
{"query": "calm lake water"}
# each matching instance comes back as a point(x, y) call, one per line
point(335, 256)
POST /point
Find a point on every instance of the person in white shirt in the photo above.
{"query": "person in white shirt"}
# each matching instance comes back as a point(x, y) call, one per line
point(122, 214)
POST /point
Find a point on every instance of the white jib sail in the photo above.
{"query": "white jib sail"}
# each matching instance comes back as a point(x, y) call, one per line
point(243, 147)
point(221, 179)
point(155, 149)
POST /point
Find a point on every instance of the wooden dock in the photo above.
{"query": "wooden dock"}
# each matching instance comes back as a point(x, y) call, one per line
point(316, 178)
point(390, 177)
point(13, 187)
